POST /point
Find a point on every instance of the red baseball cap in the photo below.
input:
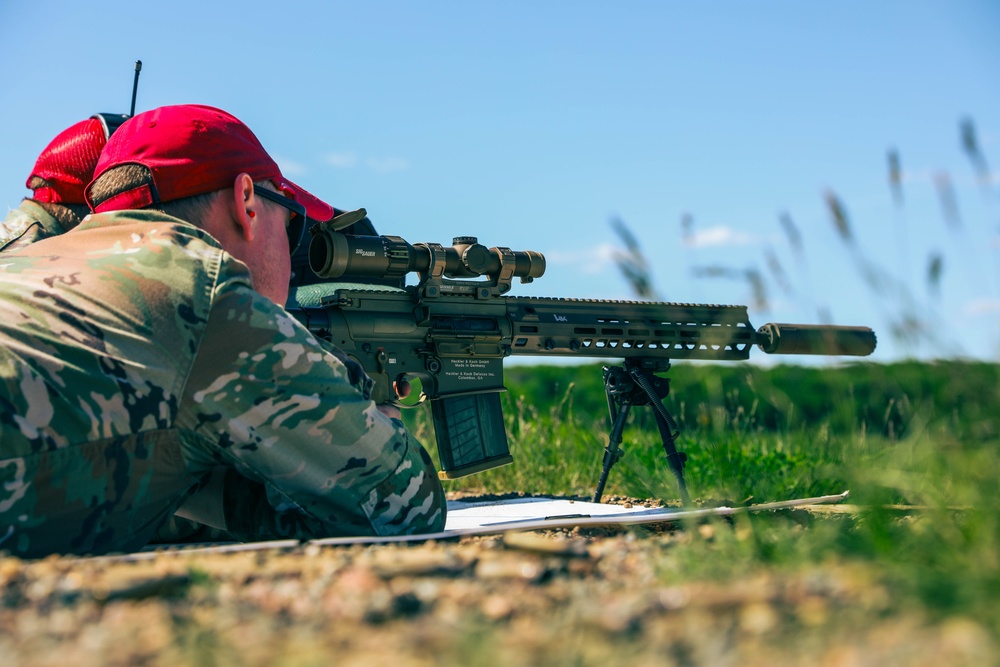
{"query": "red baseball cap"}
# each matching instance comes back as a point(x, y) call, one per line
point(67, 163)
point(192, 149)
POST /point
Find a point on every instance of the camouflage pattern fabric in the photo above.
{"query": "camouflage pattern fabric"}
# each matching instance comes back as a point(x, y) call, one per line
point(29, 223)
point(26, 224)
point(135, 357)
point(178, 530)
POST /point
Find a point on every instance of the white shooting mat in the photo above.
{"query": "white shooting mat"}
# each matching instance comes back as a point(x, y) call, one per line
point(501, 516)
point(534, 513)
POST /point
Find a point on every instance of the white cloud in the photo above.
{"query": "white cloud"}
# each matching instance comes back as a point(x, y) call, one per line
point(984, 306)
point(290, 167)
point(718, 236)
point(596, 259)
point(341, 160)
point(385, 165)
point(382, 165)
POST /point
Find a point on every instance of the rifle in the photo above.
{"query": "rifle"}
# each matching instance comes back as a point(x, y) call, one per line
point(454, 327)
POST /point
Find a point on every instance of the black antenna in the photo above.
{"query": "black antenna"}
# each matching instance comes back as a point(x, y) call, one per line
point(135, 86)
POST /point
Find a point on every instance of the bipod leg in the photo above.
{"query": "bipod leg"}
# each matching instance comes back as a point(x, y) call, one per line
point(665, 424)
point(613, 451)
point(675, 459)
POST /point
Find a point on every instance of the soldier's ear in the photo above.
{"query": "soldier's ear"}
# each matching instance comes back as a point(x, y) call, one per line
point(244, 205)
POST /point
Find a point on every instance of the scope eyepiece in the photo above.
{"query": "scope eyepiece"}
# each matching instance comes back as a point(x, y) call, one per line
point(332, 255)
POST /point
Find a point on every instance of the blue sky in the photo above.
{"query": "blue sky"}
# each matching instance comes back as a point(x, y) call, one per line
point(533, 124)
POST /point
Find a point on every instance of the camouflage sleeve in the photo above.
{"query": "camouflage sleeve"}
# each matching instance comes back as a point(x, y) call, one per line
point(355, 373)
point(266, 398)
point(25, 225)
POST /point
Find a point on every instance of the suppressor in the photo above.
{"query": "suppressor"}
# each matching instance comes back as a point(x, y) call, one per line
point(816, 339)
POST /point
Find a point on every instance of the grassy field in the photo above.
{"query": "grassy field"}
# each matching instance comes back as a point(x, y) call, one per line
point(907, 573)
point(917, 445)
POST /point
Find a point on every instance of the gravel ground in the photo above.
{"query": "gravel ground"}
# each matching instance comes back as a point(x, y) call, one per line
point(538, 598)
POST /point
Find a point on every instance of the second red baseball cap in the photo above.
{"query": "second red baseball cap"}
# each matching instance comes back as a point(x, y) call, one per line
point(192, 149)
point(67, 163)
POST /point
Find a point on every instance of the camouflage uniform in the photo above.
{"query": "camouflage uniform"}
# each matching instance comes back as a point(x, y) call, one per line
point(135, 357)
point(30, 223)
point(26, 224)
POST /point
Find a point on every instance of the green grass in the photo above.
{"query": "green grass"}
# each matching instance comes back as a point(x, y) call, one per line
point(925, 436)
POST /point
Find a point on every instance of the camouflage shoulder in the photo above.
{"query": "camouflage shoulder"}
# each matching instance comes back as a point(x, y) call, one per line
point(25, 225)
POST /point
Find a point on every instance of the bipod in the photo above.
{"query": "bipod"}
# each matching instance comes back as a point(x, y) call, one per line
point(634, 384)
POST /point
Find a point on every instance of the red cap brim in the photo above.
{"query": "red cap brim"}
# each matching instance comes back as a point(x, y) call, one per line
point(316, 208)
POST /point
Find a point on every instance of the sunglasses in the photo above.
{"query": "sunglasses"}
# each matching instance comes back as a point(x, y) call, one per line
point(296, 226)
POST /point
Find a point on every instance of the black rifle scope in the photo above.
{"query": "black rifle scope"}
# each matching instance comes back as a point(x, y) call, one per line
point(333, 255)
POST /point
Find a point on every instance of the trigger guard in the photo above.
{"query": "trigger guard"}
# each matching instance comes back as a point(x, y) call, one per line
point(398, 402)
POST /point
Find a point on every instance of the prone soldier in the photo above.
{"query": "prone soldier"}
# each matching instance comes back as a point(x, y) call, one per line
point(146, 367)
